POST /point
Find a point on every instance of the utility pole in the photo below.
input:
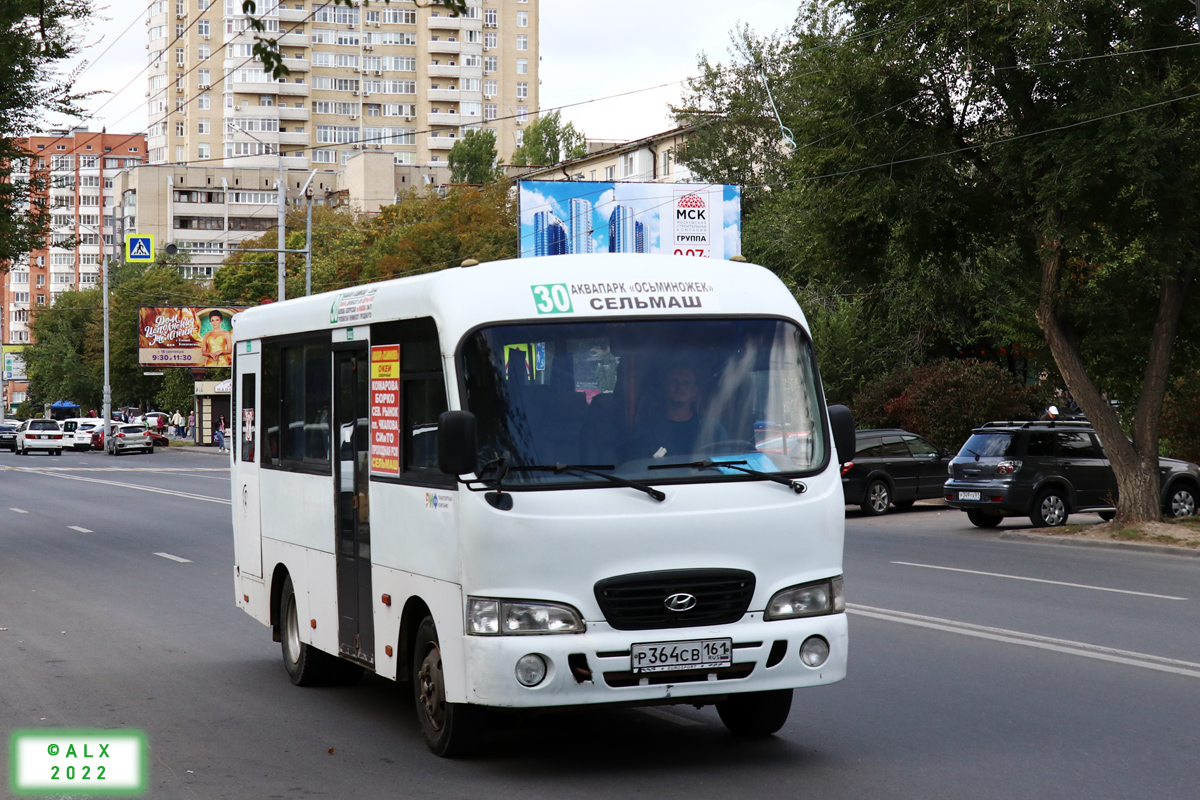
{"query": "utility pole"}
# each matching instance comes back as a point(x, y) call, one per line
point(106, 403)
point(308, 201)
point(282, 227)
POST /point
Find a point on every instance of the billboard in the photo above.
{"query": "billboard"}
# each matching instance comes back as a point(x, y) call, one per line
point(686, 219)
point(14, 364)
point(185, 336)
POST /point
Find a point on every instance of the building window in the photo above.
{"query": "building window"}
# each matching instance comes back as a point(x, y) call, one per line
point(489, 40)
point(203, 52)
point(666, 162)
point(204, 78)
point(179, 60)
point(203, 28)
point(490, 16)
point(522, 42)
point(522, 90)
point(180, 128)
point(610, 173)
point(203, 102)
point(522, 66)
point(522, 19)
point(203, 127)
point(203, 151)
point(490, 88)
point(490, 64)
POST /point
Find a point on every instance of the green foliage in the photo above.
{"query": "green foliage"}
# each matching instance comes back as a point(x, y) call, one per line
point(36, 36)
point(423, 232)
point(937, 145)
point(944, 400)
point(176, 392)
point(473, 158)
point(56, 363)
point(548, 141)
point(1181, 419)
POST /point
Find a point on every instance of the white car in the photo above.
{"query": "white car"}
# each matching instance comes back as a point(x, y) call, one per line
point(77, 433)
point(39, 434)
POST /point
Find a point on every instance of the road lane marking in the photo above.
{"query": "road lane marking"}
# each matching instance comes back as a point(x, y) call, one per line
point(175, 558)
point(1127, 657)
point(156, 490)
point(81, 530)
point(1041, 580)
point(120, 469)
point(19, 510)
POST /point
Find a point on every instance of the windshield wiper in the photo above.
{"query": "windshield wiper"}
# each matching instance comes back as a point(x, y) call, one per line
point(796, 486)
point(592, 469)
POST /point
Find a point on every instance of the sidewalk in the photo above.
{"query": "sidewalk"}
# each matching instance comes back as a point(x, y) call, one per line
point(198, 449)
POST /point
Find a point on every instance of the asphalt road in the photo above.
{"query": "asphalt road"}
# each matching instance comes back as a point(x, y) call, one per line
point(980, 667)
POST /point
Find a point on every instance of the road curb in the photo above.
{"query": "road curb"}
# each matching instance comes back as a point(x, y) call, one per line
point(199, 449)
point(1160, 549)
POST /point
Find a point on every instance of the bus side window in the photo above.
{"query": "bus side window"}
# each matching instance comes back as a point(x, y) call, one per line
point(270, 404)
point(245, 430)
point(422, 395)
point(295, 414)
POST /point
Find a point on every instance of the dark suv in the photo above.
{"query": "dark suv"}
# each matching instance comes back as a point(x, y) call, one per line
point(892, 467)
point(1049, 470)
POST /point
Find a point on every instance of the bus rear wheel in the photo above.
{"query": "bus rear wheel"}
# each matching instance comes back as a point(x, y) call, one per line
point(756, 714)
point(305, 664)
point(449, 729)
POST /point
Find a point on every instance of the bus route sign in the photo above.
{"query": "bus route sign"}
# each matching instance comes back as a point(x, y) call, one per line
point(385, 410)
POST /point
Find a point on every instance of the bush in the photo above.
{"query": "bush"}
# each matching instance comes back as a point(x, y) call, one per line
point(944, 400)
point(1179, 429)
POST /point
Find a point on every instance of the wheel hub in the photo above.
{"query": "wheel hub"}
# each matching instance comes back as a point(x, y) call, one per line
point(431, 689)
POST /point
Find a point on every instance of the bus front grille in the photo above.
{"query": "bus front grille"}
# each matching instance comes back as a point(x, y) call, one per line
point(638, 602)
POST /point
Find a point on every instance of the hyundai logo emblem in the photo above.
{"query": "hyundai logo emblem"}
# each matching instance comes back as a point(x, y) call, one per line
point(680, 601)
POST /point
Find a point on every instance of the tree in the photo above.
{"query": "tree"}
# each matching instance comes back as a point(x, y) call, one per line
point(1052, 146)
point(473, 158)
point(548, 141)
point(35, 37)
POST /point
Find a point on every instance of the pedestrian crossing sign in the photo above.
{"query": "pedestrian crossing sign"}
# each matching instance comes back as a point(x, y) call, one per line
point(139, 249)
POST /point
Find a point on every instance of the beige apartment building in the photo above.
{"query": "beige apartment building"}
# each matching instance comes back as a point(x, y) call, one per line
point(651, 159)
point(206, 210)
point(401, 78)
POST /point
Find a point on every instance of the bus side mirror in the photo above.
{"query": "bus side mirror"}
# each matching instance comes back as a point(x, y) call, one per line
point(841, 420)
point(458, 443)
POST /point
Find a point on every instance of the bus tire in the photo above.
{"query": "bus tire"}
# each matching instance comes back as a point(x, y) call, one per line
point(450, 729)
point(756, 714)
point(305, 664)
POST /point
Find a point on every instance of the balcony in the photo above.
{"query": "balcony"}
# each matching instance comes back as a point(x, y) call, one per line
point(442, 71)
point(445, 23)
point(293, 113)
point(296, 64)
point(257, 87)
point(440, 142)
point(294, 138)
point(292, 89)
point(443, 47)
point(444, 119)
point(293, 15)
point(443, 95)
point(293, 40)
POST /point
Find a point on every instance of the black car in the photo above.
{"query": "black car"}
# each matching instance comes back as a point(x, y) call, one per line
point(1049, 470)
point(892, 467)
point(8, 434)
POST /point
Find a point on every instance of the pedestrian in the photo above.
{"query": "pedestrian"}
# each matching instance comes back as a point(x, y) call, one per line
point(161, 424)
point(177, 424)
point(191, 423)
point(219, 434)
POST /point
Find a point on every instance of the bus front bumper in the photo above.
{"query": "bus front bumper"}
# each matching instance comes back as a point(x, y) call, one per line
point(595, 667)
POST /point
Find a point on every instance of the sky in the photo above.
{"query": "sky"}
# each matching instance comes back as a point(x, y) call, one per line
point(589, 50)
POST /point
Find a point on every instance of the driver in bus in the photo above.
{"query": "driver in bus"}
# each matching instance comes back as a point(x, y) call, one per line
point(676, 427)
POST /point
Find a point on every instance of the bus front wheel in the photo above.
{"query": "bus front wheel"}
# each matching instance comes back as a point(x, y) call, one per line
point(756, 714)
point(450, 729)
point(306, 665)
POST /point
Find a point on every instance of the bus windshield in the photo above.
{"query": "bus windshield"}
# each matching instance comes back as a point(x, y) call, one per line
point(653, 400)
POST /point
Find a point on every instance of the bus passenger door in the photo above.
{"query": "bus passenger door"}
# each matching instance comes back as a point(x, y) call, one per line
point(351, 462)
point(243, 433)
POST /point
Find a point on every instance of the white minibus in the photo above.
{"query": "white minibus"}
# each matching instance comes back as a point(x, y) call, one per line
point(545, 482)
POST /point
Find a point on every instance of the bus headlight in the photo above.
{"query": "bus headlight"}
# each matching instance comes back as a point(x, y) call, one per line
point(491, 617)
point(807, 600)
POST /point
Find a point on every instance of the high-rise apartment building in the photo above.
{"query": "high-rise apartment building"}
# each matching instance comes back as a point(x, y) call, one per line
point(78, 167)
point(396, 77)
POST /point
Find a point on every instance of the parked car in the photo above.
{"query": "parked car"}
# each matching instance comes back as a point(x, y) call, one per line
point(77, 433)
point(126, 438)
point(39, 434)
point(157, 439)
point(8, 434)
point(1049, 470)
point(892, 467)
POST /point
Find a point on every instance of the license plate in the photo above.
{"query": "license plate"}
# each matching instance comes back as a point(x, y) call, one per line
point(968, 495)
point(671, 656)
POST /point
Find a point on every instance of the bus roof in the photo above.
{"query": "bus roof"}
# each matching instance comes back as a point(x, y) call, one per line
point(552, 288)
